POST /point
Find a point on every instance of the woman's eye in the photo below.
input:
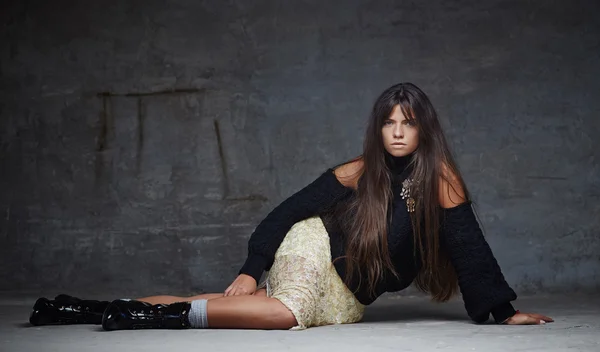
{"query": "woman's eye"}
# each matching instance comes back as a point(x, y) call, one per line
point(388, 122)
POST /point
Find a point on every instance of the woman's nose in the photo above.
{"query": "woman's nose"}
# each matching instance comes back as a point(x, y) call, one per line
point(398, 132)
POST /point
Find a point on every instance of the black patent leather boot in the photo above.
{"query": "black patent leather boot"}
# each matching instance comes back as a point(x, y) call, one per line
point(130, 314)
point(66, 309)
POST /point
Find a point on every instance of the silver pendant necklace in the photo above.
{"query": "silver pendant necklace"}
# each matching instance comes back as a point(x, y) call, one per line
point(406, 194)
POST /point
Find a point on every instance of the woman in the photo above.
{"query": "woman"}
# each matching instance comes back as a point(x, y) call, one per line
point(399, 213)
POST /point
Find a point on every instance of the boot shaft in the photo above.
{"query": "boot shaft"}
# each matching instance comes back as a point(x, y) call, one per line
point(131, 314)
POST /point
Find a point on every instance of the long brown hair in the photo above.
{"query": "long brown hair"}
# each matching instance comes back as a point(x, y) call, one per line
point(366, 220)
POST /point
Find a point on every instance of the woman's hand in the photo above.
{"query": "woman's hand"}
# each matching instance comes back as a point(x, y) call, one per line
point(242, 285)
point(528, 319)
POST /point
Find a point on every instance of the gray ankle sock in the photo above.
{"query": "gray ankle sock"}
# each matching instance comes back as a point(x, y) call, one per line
point(197, 316)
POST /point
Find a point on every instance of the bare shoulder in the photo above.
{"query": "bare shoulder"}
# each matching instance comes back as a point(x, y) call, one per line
point(349, 173)
point(451, 189)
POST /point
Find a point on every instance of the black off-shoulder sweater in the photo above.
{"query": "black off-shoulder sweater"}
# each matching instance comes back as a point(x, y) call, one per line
point(482, 284)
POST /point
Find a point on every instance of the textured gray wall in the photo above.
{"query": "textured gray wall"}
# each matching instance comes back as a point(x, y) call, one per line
point(142, 141)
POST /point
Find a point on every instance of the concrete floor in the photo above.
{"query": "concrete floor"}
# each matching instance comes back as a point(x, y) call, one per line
point(393, 323)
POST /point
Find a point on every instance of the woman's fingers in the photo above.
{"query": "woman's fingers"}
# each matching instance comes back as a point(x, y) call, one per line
point(241, 291)
point(241, 286)
point(534, 318)
point(236, 291)
point(529, 319)
point(543, 317)
point(230, 291)
point(535, 321)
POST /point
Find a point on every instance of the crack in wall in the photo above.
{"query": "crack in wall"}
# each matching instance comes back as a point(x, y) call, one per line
point(222, 160)
point(140, 135)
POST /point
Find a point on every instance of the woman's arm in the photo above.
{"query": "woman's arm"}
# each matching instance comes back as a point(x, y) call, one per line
point(480, 279)
point(313, 199)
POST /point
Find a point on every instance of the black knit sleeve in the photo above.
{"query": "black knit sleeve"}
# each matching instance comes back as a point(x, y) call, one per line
point(312, 200)
point(480, 279)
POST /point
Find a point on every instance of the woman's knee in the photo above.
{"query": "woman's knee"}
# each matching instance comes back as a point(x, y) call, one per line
point(283, 316)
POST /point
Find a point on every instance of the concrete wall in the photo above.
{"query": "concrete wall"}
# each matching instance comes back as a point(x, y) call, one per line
point(142, 141)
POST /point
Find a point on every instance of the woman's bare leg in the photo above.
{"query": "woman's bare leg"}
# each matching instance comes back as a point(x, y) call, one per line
point(249, 312)
point(173, 299)
point(255, 311)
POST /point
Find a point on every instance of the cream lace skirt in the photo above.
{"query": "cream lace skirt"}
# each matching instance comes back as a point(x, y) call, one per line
point(305, 281)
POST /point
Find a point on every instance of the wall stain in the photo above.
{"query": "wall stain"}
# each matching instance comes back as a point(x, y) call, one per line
point(106, 122)
point(106, 125)
point(140, 134)
point(222, 160)
point(102, 140)
point(226, 190)
point(555, 178)
point(249, 198)
point(17, 17)
point(568, 233)
point(148, 94)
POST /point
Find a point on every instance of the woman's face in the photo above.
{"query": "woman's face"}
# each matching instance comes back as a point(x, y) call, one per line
point(400, 137)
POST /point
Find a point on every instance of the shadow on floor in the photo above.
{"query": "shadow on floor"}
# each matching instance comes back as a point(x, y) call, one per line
point(403, 312)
